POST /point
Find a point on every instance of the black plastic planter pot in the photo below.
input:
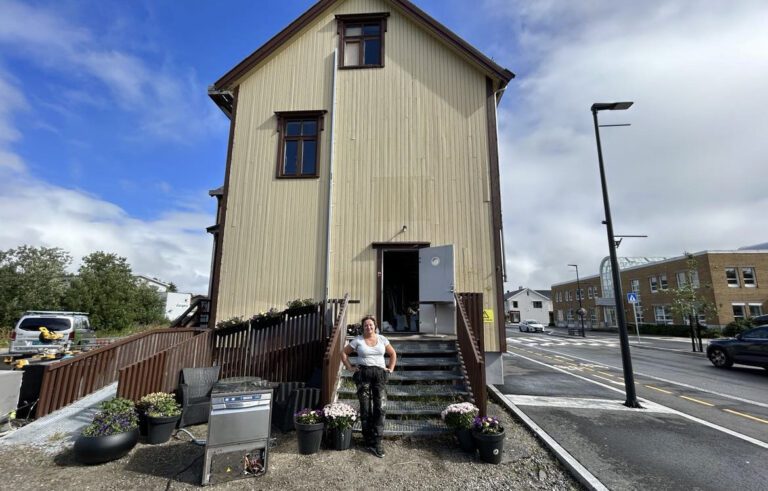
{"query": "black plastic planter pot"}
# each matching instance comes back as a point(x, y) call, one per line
point(466, 440)
point(100, 449)
point(491, 446)
point(340, 439)
point(160, 429)
point(310, 436)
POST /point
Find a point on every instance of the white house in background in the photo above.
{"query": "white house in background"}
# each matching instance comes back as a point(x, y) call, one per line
point(175, 303)
point(154, 283)
point(525, 303)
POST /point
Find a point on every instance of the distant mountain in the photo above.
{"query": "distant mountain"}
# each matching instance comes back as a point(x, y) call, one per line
point(764, 245)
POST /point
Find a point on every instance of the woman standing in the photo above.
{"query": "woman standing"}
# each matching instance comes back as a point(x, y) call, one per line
point(370, 376)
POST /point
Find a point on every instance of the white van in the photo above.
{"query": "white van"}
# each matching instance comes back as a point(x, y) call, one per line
point(28, 337)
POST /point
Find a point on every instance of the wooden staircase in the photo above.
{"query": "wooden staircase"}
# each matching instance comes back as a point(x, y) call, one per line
point(429, 376)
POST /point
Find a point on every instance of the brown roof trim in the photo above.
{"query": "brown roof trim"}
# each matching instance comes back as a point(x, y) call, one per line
point(219, 234)
point(451, 38)
point(496, 223)
point(317, 9)
point(273, 44)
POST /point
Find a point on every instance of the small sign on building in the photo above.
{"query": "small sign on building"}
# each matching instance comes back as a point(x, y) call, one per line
point(487, 315)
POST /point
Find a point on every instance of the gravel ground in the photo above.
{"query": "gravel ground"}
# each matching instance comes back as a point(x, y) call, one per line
point(411, 463)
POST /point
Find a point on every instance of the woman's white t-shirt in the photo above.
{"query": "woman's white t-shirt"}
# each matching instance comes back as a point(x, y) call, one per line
point(370, 356)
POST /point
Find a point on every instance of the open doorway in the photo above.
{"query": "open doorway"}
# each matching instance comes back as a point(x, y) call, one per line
point(400, 290)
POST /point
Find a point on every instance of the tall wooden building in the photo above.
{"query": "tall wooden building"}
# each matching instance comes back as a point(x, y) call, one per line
point(362, 159)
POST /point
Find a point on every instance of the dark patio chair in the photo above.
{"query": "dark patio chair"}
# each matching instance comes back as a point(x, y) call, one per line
point(195, 394)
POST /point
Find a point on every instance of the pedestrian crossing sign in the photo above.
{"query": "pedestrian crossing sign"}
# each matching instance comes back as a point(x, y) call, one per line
point(632, 297)
point(487, 315)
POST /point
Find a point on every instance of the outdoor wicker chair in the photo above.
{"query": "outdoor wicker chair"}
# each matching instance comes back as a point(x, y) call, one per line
point(195, 394)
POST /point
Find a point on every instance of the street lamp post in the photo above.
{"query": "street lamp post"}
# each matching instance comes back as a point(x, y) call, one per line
point(578, 296)
point(626, 359)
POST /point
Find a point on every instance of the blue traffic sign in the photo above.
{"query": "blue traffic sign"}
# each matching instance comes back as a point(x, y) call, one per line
point(632, 297)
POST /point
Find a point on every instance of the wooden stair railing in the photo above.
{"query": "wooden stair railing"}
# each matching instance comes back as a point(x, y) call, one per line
point(472, 354)
point(332, 357)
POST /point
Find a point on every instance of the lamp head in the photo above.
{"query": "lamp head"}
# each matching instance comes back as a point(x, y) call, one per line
point(611, 106)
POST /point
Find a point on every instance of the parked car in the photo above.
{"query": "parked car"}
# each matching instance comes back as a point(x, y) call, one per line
point(760, 320)
point(38, 331)
point(531, 325)
point(747, 348)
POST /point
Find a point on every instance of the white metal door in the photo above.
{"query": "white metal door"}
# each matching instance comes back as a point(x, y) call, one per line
point(437, 311)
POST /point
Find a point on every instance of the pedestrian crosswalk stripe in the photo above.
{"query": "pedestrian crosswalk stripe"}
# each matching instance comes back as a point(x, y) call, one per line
point(531, 341)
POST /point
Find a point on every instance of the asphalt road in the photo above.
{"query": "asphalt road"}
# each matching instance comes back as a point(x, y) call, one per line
point(573, 386)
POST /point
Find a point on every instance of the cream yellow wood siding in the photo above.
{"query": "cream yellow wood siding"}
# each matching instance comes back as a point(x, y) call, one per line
point(411, 148)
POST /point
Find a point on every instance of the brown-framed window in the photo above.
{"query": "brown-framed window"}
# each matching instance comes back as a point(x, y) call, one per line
point(361, 40)
point(299, 151)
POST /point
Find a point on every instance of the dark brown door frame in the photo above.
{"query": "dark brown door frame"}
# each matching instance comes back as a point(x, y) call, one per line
point(382, 247)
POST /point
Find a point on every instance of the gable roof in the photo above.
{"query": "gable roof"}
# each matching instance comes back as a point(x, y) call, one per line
point(406, 7)
point(547, 294)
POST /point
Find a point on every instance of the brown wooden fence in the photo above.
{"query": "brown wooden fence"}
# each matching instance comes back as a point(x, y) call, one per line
point(332, 357)
point(160, 372)
point(282, 349)
point(471, 349)
point(68, 380)
point(473, 306)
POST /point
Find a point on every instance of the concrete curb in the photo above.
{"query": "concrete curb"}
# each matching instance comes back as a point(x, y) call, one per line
point(586, 478)
point(61, 427)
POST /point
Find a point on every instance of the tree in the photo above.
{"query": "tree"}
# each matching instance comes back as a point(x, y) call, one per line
point(32, 278)
point(106, 288)
point(688, 303)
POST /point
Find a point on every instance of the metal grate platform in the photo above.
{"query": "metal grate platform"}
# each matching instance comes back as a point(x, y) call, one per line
point(420, 361)
point(395, 427)
point(401, 408)
point(416, 390)
point(400, 375)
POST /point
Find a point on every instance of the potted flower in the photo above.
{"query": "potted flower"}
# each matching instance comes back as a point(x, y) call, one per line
point(459, 417)
point(339, 419)
point(162, 412)
point(113, 433)
point(309, 425)
point(489, 438)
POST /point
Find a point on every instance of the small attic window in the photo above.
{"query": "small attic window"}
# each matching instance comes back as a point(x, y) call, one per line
point(361, 40)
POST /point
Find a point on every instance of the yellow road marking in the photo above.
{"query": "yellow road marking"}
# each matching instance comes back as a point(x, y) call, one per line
point(660, 390)
point(586, 368)
point(746, 415)
point(607, 374)
point(697, 400)
point(564, 358)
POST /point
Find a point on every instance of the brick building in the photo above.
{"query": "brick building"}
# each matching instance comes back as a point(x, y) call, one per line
point(736, 282)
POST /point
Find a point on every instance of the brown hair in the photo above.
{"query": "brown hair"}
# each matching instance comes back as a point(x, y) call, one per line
point(371, 317)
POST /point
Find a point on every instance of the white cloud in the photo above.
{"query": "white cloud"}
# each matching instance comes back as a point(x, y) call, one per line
point(167, 104)
point(688, 172)
point(172, 248)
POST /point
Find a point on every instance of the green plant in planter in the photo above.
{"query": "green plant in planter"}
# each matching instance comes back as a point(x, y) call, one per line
point(460, 416)
point(339, 415)
point(309, 416)
point(115, 416)
point(159, 405)
point(488, 425)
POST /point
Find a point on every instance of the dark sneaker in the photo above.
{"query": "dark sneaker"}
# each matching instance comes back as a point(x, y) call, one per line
point(377, 451)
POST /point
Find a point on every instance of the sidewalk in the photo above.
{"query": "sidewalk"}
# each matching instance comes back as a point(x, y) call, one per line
point(681, 345)
point(609, 446)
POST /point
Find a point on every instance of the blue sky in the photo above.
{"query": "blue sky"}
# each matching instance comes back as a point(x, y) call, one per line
point(108, 140)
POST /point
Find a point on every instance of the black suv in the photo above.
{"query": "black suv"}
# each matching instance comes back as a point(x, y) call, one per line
point(760, 320)
point(747, 348)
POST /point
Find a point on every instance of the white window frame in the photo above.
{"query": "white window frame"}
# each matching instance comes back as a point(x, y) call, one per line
point(653, 282)
point(758, 309)
point(666, 315)
point(752, 281)
point(540, 306)
point(733, 282)
point(682, 278)
point(663, 283)
point(635, 285)
point(743, 311)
